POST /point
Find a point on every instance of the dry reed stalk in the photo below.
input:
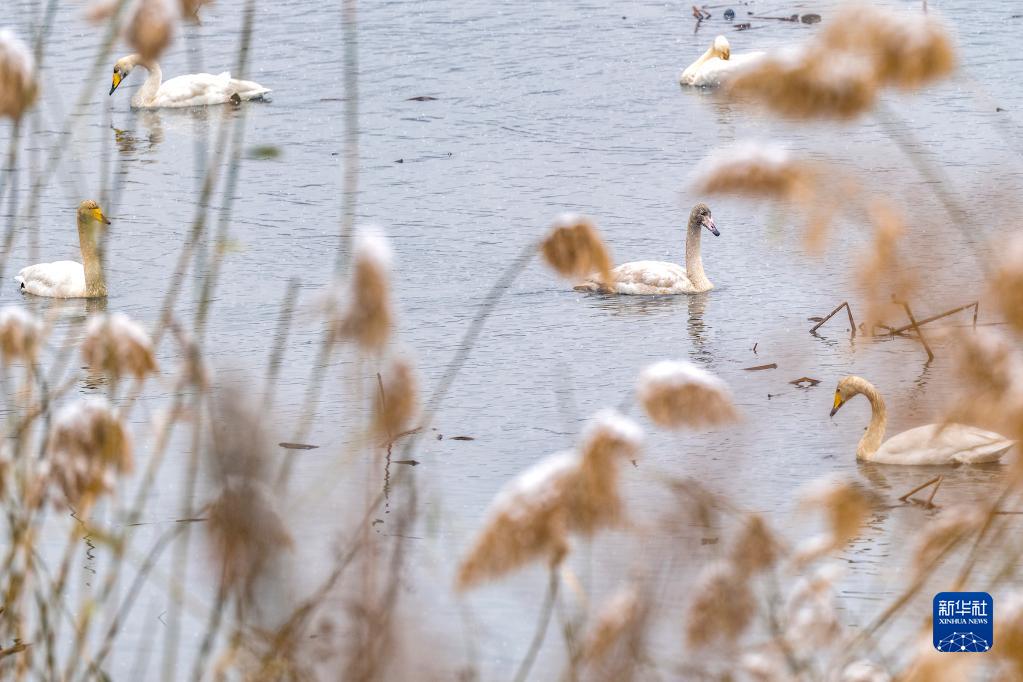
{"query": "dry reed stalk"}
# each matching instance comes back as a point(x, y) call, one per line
point(367, 319)
point(575, 250)
point(948, 529)
point(118, 346)
point(150, 27)
point(18, 89)
point(574, 491)
point(21, 335)
point(397, 399)
point(679, 394)
point(89, 447)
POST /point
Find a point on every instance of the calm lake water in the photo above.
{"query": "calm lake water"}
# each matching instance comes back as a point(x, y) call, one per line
point(540, 108)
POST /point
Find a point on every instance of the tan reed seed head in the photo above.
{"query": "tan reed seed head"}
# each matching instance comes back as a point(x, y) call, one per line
point(756, 548)
point(18, 89)
point(574, 491)
point(751, 169)
point(1006, 282)
point(931, 665)
point(883, 269)
point(1009, 632)
point(89, 447)
point(368, 319)
point(150, 27)
point(619, 621)
point(21, 335)
point(810, 616)
point(908, 49)
point(574, 248)
point(989, 369)
point(190, 9)
point(118, 346)
point(845, 506)
point(723, 605)
point(397, 399)
point(952, 526)
point(680, 394)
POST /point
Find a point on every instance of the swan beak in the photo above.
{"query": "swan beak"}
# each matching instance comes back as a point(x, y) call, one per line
point(838, 403)
point(708, 222)
point(100, 218)
point(117, 81)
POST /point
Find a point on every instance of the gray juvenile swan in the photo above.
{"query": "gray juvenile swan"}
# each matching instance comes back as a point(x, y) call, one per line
point(648, 277)
point(930, 444)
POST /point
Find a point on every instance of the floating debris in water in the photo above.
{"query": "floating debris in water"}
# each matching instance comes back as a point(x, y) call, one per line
point(298, 446)
point(410, 462)
point(810, 18)
point(264, 151)
point(809, 383)
point(423, 98)
point(773, 365)
point(462, 438)
point(729, 14)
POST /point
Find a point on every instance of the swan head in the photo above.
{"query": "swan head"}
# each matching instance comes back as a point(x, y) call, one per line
point(122, 67)
point(700, 215)
point(89, 212)
point(846, 389)
point(721, 48)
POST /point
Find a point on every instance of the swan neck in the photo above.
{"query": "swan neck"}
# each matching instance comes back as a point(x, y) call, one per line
point(694, 263)
point(874, 436)
point(154, 78)
point(92, 259)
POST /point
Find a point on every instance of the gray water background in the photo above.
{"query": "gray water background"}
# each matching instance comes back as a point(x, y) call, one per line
point(541, 108)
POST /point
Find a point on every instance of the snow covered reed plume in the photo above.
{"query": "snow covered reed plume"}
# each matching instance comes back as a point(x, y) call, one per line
point(21, 334)
point(617, 629)
point(845, 507)
point(751, 169)
point(1007, 282)
point(150, 27)
point(989, 390)
point(1009, 634)
point(679, 394)
point(573, 491)
point(18, 88)
point(367, 319)
point(574, 248)
point(811, 616)
point(118, 346)
point(838, 74)
point(397, 399)
point(89, 447)
point(722, 605)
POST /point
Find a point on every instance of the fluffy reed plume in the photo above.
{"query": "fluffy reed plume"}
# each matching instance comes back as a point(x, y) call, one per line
point(756, 549)
point(863, 671)
point(1009, 632)
point(989, 367)
point(574, 491)
point(21, 334)
point(574, 248)
point(845, 507)
point(677, 394)
point(619, 621)
point(951, 527)
point(930, 665)
point(17, 76)
point(1007, 282)
point(908, 49)
point(89, 446)
point(837, 74)
point(764, 665)
point(750, 169)
point(150, 27)
point(811, 619)
point(722, 606)
point(118, 346)
point(883, 271)
point(245, 531)
point(397, 399)
point(190, 9)
point(367, 319)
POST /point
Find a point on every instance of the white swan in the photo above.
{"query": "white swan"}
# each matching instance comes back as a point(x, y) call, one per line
point(66, 278)
point(647, 277)
point(716, 64)
point(931, 444)
point(193, 90)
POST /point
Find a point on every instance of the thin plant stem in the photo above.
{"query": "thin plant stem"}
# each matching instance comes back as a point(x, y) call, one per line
point(522, 674)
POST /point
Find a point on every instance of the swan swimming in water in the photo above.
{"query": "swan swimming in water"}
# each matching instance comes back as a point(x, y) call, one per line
point(193, 90)
point(716, 65)
point(66, 278)
point(930, 444)
point(647, 277)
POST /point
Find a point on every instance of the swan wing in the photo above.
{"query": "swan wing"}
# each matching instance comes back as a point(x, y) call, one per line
point(954, 444)
point(60, 279)
point(715, 71)
point(645, 277)
point(199, 89)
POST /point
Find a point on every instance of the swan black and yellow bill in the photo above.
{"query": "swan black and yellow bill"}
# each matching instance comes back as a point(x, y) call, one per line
point(838, 403)
point(116, 81)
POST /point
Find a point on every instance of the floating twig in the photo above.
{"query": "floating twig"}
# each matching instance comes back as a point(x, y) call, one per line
point(916, 328)
point(805, 380)
point(933, 481)
point(792, 18)
point(773, 365)
point(976, 309)
point(297, 446)
point(461, 438)
point(843, 304)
